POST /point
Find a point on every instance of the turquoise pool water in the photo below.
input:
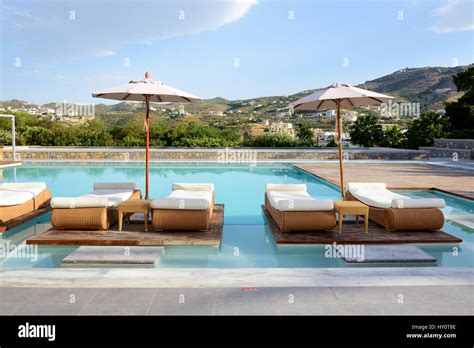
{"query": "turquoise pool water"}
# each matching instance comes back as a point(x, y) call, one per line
point(247, 240)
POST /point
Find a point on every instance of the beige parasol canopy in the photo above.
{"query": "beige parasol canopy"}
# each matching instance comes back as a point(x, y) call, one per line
point(336, 96)
point(148, 91)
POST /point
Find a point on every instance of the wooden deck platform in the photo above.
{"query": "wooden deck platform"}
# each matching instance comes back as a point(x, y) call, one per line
point(398, 176)
point(24, 218)
point(133, 234)
point(353, 233)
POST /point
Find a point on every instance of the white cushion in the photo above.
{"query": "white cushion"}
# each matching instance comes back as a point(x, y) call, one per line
point(78, 202)
point(114, 196)
point(114, 185)
point(23, 186)
point(366, 185)
point(297, 201)
point(285, 187)
point(9, 197)
point(419, 203)
point(379, 198)
point(377, 195)
point(193, 187)
point(184, 199)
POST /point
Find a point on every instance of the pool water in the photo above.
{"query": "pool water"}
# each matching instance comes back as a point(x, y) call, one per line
point(247, 241)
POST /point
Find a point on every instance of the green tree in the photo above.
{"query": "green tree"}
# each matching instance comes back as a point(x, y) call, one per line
point(461, 113)
point(423, 130)
point(393, 137)
point(272, 140)
point(366, 131)
point(305, 135)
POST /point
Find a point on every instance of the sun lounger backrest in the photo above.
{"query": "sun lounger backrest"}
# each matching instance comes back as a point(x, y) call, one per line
point(193, 187)
point(285, 187)
point(366, 185)
point(114, 185)
point(23, 185)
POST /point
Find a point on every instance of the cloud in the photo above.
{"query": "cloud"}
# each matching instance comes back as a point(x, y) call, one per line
point(454, 16)
point(73, 28)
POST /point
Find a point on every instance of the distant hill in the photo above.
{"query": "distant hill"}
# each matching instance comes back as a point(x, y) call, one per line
point(429, 86)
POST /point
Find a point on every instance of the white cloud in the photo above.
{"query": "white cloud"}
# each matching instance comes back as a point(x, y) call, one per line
point(50, 29)
point(454, 16)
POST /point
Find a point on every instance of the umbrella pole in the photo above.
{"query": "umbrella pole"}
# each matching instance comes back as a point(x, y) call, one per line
point(147, 143)
point(339, 141)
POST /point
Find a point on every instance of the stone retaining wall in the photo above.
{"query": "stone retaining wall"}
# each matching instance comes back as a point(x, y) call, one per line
point(454, 143)
point(207, 154)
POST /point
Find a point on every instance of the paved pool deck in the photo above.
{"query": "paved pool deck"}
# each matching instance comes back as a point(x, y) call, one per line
point(398, 176)
point(367, 291)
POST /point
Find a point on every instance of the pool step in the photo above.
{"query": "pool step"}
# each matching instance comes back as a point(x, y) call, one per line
point(114, 255)
point(387, 254)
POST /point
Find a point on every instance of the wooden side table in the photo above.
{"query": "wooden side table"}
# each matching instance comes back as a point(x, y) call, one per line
point(352, 208)
point(134, 206)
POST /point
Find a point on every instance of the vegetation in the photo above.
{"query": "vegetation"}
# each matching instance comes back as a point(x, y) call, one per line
point(272, 140)
point(423, 130)
point(460, 114)
point(366, 131)
point(393, 137)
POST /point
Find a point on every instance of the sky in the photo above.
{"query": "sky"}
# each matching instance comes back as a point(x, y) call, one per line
point(63, 50)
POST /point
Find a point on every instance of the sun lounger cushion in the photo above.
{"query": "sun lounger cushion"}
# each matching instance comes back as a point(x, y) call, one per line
point(286, 187)
point(418, 203)
point(24, 186)
point(19, 193)
point(377, 195)
point(114, 196)
point(9, 198)
point(298, 201)
point(78, 202)
point(115, 186)
point(193, 187)
point(184, 199)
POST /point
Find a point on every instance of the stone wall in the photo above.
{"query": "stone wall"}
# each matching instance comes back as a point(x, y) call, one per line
point(37, 153)
point(454, 143)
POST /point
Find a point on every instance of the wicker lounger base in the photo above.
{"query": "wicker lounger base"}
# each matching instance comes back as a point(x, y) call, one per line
point(100, 218)
point(8, 213)
point(408, 219)
point(182, 219)
point(289, 221)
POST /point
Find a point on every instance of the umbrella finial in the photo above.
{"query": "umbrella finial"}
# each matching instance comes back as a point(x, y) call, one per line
point(147, 75)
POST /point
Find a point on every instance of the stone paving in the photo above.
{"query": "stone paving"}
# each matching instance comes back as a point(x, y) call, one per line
point(381, 300)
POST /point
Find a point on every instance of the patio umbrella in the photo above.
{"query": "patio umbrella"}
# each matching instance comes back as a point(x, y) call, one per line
point(334, 97)
point(148, 91)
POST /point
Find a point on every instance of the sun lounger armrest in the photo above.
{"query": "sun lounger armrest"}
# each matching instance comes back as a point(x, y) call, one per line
point(285, 187)
point(418, 203)
point(78, 202)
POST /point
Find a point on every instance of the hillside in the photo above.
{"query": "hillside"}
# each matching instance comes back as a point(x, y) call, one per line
point(429, 86)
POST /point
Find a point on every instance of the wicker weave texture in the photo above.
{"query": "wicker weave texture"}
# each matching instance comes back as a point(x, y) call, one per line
point(289, 221)
point(100, 218)
point(407, 219)
point(182, 219)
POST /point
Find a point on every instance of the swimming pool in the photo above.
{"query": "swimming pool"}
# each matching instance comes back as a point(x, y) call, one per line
point(247, 241)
